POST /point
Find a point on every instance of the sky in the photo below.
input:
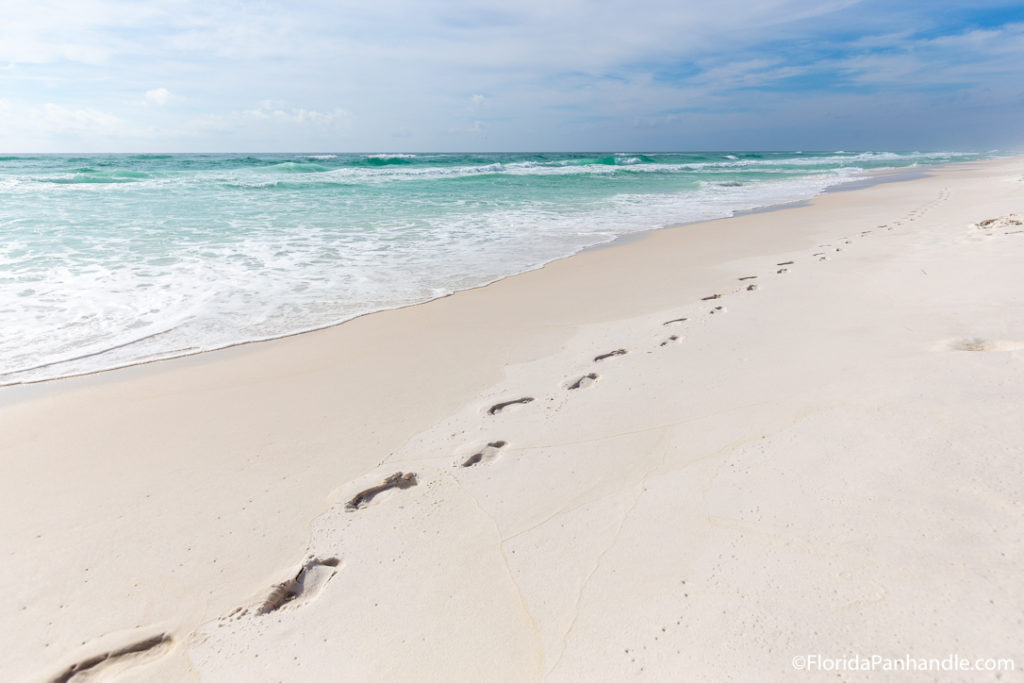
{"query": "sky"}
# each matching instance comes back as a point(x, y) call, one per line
point(528, 75)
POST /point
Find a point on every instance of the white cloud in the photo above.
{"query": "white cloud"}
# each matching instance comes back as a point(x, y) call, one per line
point(749, 73)
point(82, 120)
point(271, 124)
point(972, 57)
point(86, 31)
point(158, 96)
point(274, 111)
point(474, 128)
point(566, 35)
point(25, 126)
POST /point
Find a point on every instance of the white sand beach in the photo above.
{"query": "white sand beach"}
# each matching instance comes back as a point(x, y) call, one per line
point(811, 443)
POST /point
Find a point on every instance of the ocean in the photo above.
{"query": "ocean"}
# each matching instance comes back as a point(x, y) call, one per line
point(113, 260)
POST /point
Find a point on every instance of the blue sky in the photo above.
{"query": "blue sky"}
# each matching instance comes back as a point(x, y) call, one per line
point(460, 75)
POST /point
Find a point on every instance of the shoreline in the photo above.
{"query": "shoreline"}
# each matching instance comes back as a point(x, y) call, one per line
point(871, 177)
point(677, 500)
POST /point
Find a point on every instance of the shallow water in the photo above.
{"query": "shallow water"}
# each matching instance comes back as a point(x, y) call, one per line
point(110, 260)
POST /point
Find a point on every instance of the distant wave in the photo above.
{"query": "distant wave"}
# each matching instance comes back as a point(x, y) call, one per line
point(93, 177)
point(384, 160)
point(627, 160)
point(298, 167)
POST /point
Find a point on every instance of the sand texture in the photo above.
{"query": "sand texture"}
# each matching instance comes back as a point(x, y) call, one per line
point(687, 457)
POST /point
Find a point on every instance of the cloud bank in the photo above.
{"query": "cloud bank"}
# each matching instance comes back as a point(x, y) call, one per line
point(482, 75)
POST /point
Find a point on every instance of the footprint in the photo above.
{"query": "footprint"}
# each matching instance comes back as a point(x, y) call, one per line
point(751, 288)
point(486, 454)
point(498, 407)
point(303, 587)
point(785, 263)
point(823, 258)
point(713, 296)
point(748, 277)
point(584, 381)
point(396, 480)
point(95, 664)
point(671, 339)
point(717, 309)
point(780, 271)
point(677, 320)
point(982, 344)
point(616, 352)
point(1007, 221)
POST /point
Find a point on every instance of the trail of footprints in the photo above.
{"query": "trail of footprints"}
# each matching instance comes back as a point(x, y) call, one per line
point(315, 573)
point(490, 452)
point(919, 212)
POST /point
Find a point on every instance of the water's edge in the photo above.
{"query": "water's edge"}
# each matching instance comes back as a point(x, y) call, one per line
point(867, 179)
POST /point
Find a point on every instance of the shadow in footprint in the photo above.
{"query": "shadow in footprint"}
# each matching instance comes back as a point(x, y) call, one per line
point(92, 665)
point(306, 584)
point(488, 453)
point(584, 381)
point(616, 352)
point(398, 480)
point(672, 322)
point(498, 407)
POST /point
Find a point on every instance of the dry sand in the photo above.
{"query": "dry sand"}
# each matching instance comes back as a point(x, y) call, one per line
point(830, 463)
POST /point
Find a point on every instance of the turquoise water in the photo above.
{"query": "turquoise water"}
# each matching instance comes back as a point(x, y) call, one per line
point(110, 260)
